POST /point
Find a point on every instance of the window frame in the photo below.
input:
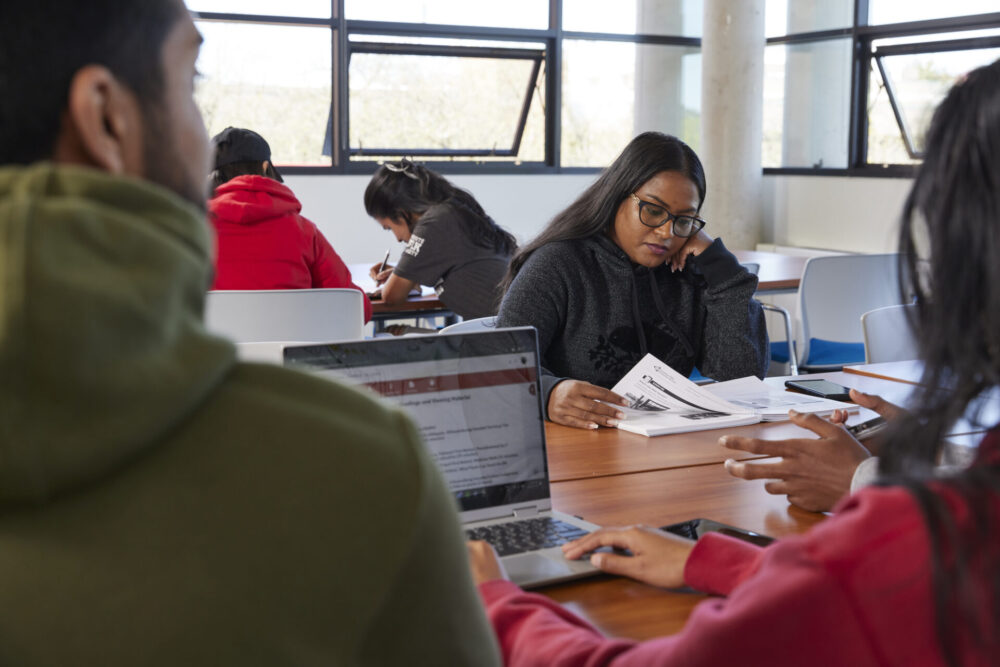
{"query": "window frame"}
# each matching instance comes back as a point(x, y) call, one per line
point(862, 36)
point(339, 118)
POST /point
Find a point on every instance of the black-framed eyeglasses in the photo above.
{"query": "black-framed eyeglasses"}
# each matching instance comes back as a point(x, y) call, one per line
point(655, 215)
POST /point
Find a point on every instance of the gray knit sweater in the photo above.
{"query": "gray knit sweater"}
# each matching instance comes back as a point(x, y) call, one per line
point(597, 313)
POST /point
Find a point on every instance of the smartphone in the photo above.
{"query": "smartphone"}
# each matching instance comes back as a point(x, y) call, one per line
point(695, 528)
point(868, 429)
point(823, 388)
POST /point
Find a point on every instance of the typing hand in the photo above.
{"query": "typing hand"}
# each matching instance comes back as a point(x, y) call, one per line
point(813, 473)
point(658, 558)
point(579, 404)
point(484, 562)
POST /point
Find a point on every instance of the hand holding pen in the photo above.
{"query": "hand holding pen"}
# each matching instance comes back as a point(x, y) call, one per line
point(381, 272)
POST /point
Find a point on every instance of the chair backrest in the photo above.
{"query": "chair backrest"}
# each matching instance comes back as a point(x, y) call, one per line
point(476, 324)
point(835, 291)
point(888, 335)
point(308, 315)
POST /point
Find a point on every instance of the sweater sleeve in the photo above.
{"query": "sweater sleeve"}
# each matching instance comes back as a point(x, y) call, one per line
point(430, 614)
point(734, 342)
point(328, 269)
point(782, 613)
point(538, 297)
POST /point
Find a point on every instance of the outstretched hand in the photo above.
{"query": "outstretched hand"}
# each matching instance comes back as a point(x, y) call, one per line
point(658, 558)
point(813, 473)
point(584, 405)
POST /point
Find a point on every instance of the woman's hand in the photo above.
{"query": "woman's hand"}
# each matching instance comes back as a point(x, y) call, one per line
point(885, 409)
point(693, 246)
point(814, 473)
point(578, 404)
point(380, 272)
point(658, 558)
point(484, 562)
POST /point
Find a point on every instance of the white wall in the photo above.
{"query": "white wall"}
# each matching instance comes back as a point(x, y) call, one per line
point(521, 204)
point(836, 213)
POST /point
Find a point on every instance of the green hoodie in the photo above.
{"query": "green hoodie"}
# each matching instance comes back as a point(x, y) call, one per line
point(163, 504)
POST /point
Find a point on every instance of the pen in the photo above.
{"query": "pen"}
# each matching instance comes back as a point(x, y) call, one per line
point(381, 267)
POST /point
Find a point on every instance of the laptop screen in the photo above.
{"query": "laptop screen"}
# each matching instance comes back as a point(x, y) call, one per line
point(473, 396)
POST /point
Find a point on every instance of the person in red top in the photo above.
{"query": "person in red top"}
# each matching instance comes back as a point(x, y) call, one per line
point(906, 572)
point(262, 242)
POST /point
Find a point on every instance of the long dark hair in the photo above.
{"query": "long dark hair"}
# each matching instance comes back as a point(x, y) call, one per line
point(594, 211)
point(950, 245)
point(405, 190)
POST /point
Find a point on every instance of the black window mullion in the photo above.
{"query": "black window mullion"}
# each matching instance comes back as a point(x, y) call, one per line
point(553, 87)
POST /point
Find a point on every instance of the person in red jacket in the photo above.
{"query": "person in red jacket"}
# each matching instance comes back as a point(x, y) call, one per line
point(262, 242)
point(906, 572)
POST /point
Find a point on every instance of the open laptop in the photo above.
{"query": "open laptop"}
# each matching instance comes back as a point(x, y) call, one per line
point(476, 400)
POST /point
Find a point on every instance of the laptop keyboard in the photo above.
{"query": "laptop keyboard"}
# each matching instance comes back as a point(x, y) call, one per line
point(517, 537)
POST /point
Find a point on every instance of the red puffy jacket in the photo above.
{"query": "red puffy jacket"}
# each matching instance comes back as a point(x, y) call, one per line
point(263, 243)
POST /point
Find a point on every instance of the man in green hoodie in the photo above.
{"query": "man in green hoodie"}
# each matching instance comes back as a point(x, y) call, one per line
point(160, 502)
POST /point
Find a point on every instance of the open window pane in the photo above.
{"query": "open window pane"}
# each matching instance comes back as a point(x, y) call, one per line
point(272, 79)
point(903, 103)
point(533, 14)
point(320, 9)
point(650, 17)
point(899, 11)
point(807, 96)
point(613, 91)
point(473, 106)
point(789, 17)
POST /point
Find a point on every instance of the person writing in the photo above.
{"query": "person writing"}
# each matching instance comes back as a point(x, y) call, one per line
point(262, 240)
point(452, 245)
point(905, 572)
point(628, 269)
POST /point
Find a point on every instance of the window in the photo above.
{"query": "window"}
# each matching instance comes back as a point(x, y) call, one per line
point(338, 86)
point(851, 84)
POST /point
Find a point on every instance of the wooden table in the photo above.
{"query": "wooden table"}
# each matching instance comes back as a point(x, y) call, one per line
point(615, 478)
point(624, 608)
point(778, 273)
point(581, 454)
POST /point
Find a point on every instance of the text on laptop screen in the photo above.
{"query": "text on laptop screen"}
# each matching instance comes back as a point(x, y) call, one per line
point(474, 398)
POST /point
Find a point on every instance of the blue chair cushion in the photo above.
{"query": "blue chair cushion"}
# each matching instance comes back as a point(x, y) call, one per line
point(696, 376)
point(779, 352)
point(833, 353)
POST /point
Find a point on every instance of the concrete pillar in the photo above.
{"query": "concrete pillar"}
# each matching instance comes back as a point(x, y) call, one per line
point(658, 70)
point(732, 50)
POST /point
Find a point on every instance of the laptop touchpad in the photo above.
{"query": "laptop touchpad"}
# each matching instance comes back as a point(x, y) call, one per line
point(526, 568)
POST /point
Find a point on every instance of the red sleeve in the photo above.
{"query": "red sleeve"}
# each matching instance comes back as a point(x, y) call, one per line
point(328, 270)
point(719, 563)
point(790, 612)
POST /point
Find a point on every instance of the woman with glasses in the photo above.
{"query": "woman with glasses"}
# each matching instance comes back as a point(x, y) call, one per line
point(451, 244)
point(628, 269)
point(906, 572)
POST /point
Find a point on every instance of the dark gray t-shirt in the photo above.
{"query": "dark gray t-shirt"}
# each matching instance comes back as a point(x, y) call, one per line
point(440, 254)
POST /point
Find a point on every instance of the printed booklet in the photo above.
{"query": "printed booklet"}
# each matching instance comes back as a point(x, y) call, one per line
point(662, 401)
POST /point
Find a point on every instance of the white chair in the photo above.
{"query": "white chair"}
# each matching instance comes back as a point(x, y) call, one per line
point(306, 315)
point(466, 326)
point(781, 351)
point(834, 292)
point(888, 334)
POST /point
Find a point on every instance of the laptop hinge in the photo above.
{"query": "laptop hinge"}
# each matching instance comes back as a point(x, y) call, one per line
point(523, 512)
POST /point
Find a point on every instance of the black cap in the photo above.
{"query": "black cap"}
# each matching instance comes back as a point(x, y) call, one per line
point(235, 144)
